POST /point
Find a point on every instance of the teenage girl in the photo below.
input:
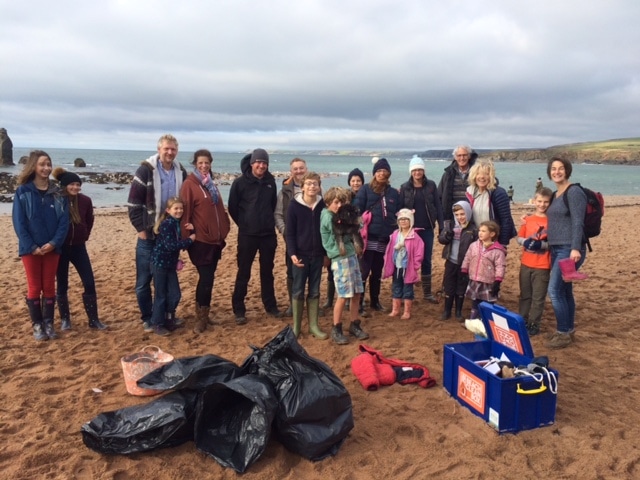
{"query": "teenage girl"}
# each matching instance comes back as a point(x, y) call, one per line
point(74, 251)
point(164, 261)
point(40, 219)
point(485, 263)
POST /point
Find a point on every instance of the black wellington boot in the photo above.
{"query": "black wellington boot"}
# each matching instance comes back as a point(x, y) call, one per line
point(48, 311)
point(448, 305)
point(35, 312)
point(91, 307)
point(63, 310)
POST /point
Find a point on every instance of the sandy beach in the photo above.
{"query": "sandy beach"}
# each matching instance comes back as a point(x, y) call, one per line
point(401, 432)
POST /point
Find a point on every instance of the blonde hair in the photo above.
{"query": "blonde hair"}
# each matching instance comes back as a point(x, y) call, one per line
point(486, 167)
point(336, 193)
point(29, 171)
point(311, 176)
point(167, 137)
point(163, 216)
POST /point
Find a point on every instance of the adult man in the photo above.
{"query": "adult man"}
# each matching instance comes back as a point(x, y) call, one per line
point(453, 183)
point(252, 202)
point(290, 186)
point(156, 180)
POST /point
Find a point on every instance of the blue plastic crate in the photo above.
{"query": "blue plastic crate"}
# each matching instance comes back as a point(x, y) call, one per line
point(507, 405)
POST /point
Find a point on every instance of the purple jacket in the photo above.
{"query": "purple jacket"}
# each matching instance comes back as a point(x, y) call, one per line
point(415, 253)
point(486, 266)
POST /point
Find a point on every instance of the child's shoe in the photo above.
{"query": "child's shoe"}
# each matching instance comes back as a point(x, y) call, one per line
point(356, 330)
point(337, 336)
point(161, 330)
point(533, 329)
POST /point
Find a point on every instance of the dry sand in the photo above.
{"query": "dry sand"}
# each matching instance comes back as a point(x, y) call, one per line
point(401, 432)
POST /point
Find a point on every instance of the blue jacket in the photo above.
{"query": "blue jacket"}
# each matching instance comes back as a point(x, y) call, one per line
point(39, 219)
point(383, 219)
point(168, 244)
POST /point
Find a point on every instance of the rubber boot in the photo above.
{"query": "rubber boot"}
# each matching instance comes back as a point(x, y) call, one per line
point(374, 294)
point(569, 272)
point(426, 289)
point(48, 311)
point(202, 318)
point(312, 314)
point(91, 307)
point(396, 304)
point(331, 292)
point(63, 310)
point(407, 310)
point(459, 302)
point(356, 330)
point(35, 312)
point(297, 307)
point(337, 336)
point(448, 305)
point(361, 311)
point(288, 313)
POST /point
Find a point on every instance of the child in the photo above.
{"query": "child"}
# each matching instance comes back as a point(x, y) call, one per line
point(456, 241)
point(402, 261)
point(74, 251)
point(535, 262)
point(485, 263)
point(164, 261)
point(304, 246)
point(345, 268)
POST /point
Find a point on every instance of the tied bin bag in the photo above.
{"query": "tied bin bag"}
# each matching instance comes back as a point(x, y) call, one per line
point(314, 414)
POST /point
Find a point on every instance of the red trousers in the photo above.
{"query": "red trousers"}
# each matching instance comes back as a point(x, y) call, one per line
point(41, 274)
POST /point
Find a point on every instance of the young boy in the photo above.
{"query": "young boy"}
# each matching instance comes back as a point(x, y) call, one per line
point(304, 247)
point(457, 240)
point(535, 262)
point(345, 268)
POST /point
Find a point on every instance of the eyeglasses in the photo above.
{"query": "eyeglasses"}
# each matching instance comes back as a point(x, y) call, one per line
point(462, 155)
point(311, 184)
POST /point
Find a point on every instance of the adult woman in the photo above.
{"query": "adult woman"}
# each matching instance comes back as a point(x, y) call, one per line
point(40, 219)
point(204, 209)
point(74, 251)
point(421, 194)
point(490, 201)
point(566, 240)
point(383, 202)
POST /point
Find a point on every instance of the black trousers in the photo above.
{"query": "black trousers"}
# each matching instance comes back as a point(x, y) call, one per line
point(248, 246)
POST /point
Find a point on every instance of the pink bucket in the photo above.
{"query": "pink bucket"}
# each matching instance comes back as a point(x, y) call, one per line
point(137, 365)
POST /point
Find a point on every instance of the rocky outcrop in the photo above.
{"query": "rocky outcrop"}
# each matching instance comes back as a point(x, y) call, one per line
point(6, 149)
point(79, 162)
point(585, 155)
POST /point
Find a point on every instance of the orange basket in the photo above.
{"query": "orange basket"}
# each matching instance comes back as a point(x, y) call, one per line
point(137, 365)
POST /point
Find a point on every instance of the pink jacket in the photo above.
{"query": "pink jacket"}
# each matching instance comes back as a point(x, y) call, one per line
point(415, 253)
point(486, 266)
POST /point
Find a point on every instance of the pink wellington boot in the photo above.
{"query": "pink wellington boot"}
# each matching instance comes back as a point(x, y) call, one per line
point(407, 310)
point(396, 304)
point(569, 272)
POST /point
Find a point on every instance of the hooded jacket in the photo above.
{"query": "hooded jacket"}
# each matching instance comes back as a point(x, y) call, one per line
point(78, 234)
point(500, 212)
point(252, 201)
point(486, 265)
point(145, 194)
point(39, 219)
point(383, 208)
point(210, 221)
point(468, 235)
point(415, 254)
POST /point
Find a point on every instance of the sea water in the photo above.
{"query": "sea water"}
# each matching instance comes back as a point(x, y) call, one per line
point(608, 179)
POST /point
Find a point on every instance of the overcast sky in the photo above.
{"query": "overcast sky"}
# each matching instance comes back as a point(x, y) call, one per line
point(376, 75)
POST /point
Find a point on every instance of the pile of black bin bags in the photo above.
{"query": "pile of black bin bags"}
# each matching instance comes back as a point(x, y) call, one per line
point(230, 411)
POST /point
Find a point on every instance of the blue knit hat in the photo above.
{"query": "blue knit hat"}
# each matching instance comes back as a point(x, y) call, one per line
point(416, 163)
point(381, 164)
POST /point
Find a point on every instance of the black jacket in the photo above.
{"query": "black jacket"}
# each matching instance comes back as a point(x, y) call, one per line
point(431, 200)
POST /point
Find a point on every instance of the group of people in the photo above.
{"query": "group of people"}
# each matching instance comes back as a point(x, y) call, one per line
point(173, 210)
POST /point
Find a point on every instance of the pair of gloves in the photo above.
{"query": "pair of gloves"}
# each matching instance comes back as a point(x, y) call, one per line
point(532, 245)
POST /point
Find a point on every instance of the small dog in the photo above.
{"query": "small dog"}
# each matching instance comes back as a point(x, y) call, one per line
point(346, 222)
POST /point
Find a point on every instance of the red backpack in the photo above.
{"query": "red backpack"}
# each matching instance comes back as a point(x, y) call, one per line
point(593, 214)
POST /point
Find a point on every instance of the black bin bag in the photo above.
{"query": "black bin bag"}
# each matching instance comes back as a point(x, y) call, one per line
point(167, 421)
point(314, 413)
point(195, 373)
point(233, 421)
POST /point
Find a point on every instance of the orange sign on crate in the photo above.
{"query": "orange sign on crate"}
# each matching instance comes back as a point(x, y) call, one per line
point(471, 389)
point(506, 337)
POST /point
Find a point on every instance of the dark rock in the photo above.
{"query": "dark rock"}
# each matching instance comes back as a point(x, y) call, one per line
point(78, 162)
point(23, 159)
point(6, 148)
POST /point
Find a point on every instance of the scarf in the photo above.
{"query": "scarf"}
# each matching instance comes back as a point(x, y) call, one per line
point(207, 182)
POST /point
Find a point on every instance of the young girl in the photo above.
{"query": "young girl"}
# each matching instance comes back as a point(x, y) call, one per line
point(402, 260)
point(74, 251)
point(456, 240)
point(164, 260)
point(485, 263)
point(40, 219)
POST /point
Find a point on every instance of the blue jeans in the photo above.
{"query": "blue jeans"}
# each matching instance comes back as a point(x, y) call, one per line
point(144, 277)
point(561, 292)
point(427, 237)
point(312, 271)
point(167, 293)
point(399, 289)
point(77, 256)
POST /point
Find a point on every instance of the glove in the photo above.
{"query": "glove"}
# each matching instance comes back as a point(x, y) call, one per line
point(532, 245)
point(448, 236)
point(495, 289)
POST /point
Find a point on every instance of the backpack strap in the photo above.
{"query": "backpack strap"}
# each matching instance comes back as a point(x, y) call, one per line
point(566, 203)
